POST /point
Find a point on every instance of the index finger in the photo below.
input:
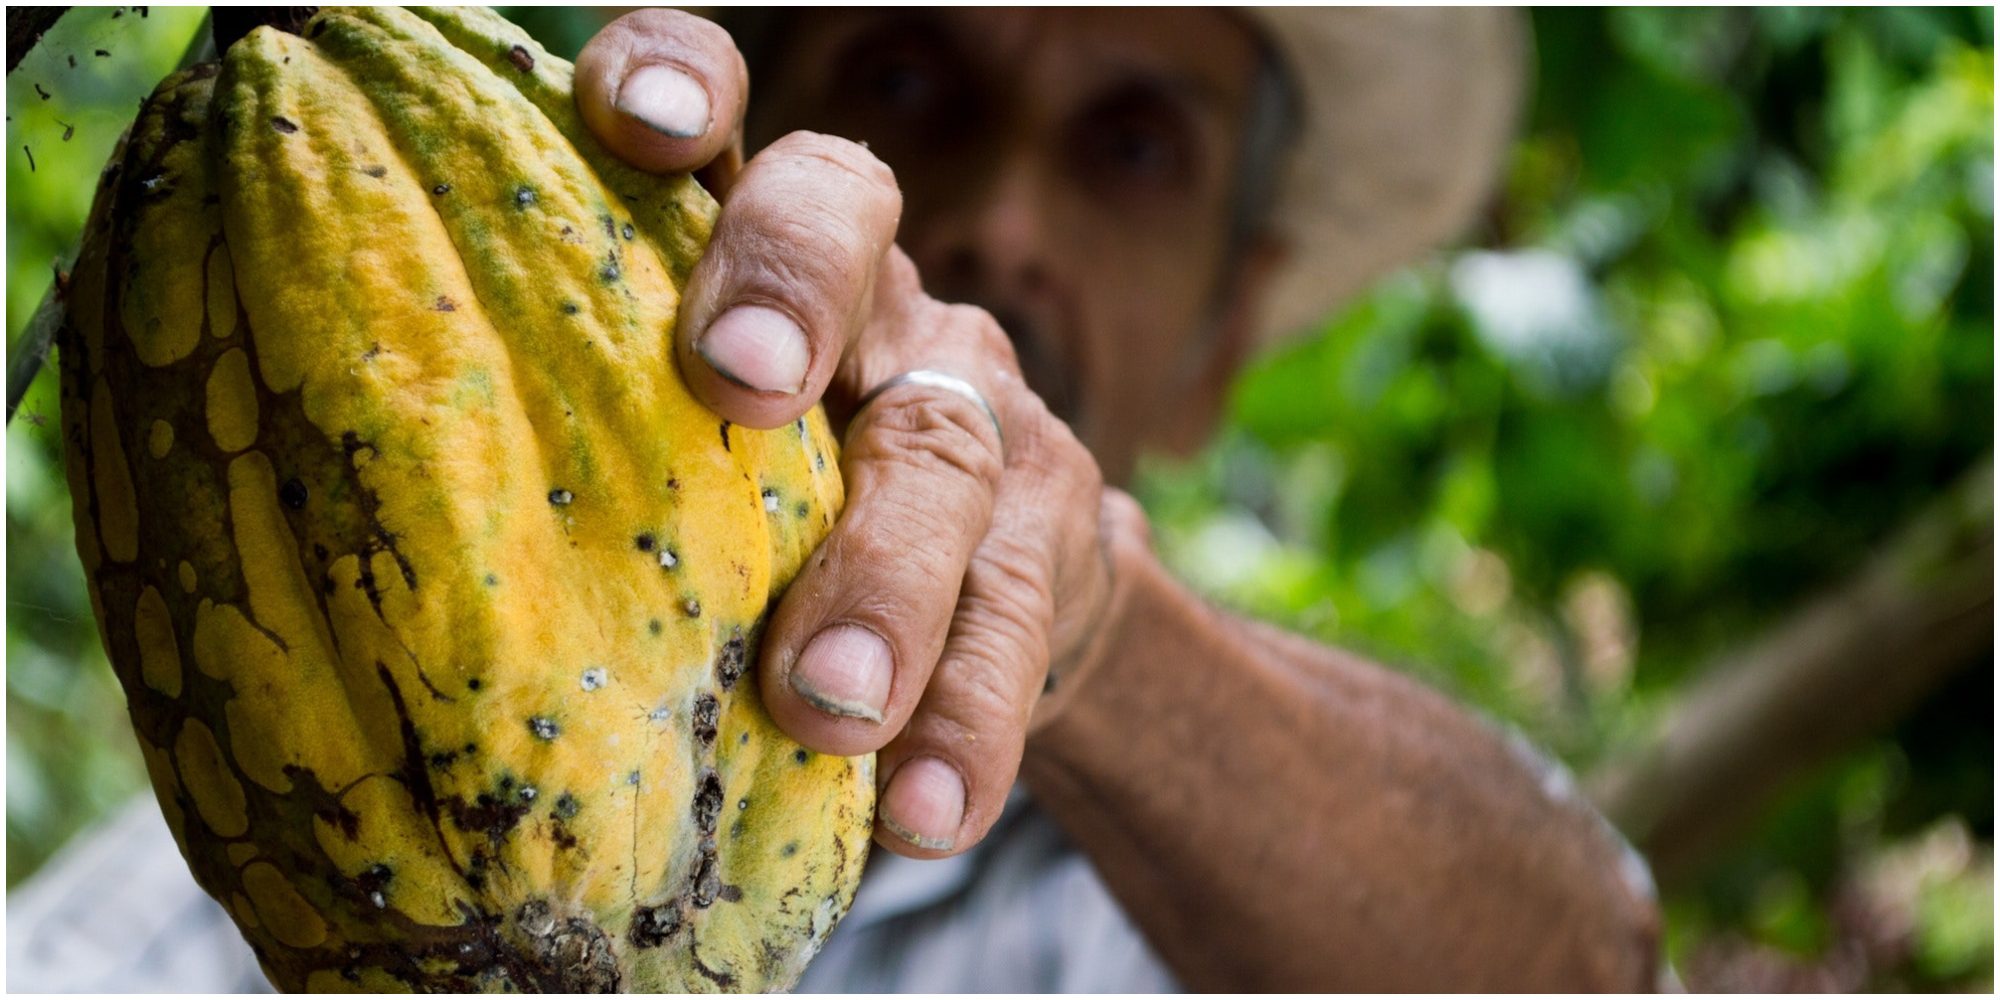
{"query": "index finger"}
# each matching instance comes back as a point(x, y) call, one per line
point(662, 89)
point(788, 279)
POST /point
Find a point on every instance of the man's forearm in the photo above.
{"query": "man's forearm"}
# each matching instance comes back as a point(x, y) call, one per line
point(1276, 814)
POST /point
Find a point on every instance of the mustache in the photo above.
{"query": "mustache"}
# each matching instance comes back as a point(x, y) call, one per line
point(1044, 358)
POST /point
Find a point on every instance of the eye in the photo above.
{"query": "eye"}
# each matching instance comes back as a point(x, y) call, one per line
point(899, 71)
point(1137, 138)
point(902, 85)
point(1139, 149)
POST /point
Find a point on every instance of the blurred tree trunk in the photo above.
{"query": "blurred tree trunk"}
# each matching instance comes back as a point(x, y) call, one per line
point(1846, 665)
point(25, 27)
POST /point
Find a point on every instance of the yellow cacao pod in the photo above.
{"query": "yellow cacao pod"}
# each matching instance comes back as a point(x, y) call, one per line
point(434, 594)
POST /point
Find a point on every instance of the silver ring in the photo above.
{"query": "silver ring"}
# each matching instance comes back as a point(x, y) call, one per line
point(938, 380)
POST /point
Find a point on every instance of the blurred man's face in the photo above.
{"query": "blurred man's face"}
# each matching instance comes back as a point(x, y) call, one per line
point(1073, 171)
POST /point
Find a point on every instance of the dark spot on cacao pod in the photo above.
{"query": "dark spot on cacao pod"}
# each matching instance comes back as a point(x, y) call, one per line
point(563, 838)
point(374, 878)
point(283, 124)
point(472, 748)
point(632, 778)
point(706, 711)
point(789, 849)
point(707, 884)
point(492, 580)
point(731, 894)
point(444, 304)
point(352, 445)
point(535, 918)
point(654, 626)
point(569, 308)
point(803, 509)
point(744, 739)
point(742, 804)
point(609, 274)
point(560, 497)
point(521, 58)
point(474, 683)
point(567, 806)
point(653, 925)
point(544, 727)
point(527, 793)
point(725, 435)
point(377, 171)
point(293, 494)
point(729, 662)
point(707, 802)
point(627, 231)
point(800, 756)
point(524, 196)
point(644, 542)
point(692, 607)
point(493, 815)
point(441, 190)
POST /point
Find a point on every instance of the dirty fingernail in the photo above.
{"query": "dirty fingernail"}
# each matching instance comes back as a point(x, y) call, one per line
point(666, 100)
point(756, 347)
point(925, 803)
point(845, 671)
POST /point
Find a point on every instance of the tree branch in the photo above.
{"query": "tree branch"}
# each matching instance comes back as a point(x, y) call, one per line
point(25, 27)
point(1848, 664)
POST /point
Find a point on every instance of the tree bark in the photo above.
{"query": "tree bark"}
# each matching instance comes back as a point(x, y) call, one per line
point(25, 27)
point(1848, 664)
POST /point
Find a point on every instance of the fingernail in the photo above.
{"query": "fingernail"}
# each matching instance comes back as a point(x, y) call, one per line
point(845, 671)
point(756, 347)
point(925, 803)
point(666, 100)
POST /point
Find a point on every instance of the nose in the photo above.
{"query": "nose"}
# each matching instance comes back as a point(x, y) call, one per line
point(992, 240)
point(987, 239)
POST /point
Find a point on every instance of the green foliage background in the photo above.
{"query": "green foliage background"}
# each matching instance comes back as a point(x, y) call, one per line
point(1730, 323)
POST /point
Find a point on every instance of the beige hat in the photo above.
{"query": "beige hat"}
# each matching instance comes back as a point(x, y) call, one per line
point(1406, 113)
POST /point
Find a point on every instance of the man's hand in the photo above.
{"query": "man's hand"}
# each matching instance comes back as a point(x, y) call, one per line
point(969, 568)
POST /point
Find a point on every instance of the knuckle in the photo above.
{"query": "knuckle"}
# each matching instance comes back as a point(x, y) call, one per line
point(1001, 642)
point(898, 539)
point(930, 433)
point(804, 248)
point(985, 700)
point(828, 156)
point(974, 328)
point(1052, 449)
point(655, 30)
point(1009, 587)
